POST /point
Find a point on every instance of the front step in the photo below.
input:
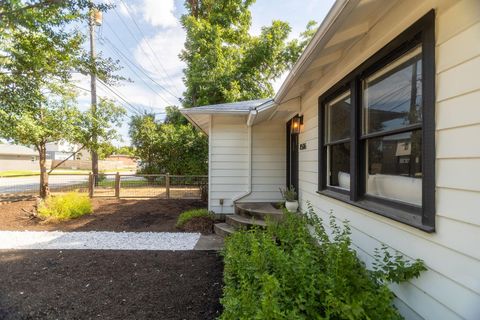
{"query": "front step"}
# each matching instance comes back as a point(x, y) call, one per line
point(238, 222)
point(259, 210)
point(223, 229)
point(248, 215)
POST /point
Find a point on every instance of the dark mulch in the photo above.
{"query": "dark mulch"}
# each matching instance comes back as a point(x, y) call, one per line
point(79, 284)
point(199, 224)
point(109, 215)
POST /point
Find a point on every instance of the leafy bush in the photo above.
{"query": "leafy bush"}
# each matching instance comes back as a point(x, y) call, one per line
point(190, 214)
point(295, 270)
point(67, 206)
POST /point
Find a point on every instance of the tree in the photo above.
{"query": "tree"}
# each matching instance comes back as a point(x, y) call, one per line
point(173, 147)
point(39, 50)
point(227, 64)
point(174, 116)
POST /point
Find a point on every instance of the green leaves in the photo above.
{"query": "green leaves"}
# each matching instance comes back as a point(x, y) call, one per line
point(172, 147)
point(227, 64)
point(302, 268)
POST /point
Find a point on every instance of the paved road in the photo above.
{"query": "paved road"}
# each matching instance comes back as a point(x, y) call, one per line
point(32, 184)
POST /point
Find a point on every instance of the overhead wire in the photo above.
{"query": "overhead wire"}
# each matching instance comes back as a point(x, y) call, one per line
point(149, 46)
point(122, 56)
point(147, 55)
point(128, 106)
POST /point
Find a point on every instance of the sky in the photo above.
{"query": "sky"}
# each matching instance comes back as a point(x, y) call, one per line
point(146, 37)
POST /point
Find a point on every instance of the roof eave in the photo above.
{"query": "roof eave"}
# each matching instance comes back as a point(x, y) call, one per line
point(192, 111)
point(326, 26)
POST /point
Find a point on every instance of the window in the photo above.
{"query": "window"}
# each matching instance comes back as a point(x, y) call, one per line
point(337, 141)
point(376, 149)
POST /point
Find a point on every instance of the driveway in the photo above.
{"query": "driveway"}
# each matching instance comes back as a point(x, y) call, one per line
point(31, 184)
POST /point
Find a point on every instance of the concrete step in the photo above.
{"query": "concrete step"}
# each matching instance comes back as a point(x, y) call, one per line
point(223, 229)
point(237, 221)
point(259, 210)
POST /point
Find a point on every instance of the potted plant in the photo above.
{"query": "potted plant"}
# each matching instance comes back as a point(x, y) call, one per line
point(290, 196)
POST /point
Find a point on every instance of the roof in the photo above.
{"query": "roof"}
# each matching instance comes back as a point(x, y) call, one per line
point(13, 149)
point(242, 107)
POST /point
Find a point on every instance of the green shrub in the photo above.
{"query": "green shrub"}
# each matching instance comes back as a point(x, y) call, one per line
point(67, 206)
point(295, 269)
point(190, 214)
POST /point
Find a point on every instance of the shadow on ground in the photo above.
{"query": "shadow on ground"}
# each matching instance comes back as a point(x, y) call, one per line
point(78, 284)
point(141, 215)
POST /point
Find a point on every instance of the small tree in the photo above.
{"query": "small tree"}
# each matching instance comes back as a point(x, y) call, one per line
point(39, 50)
point(171, 147)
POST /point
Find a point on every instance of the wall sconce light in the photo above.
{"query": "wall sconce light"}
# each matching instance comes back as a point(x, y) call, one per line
point(297, 123)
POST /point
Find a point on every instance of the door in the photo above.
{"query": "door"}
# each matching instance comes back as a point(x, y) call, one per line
point(292, 157)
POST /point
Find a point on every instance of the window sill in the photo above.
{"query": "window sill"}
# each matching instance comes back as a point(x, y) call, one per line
point(394, 213)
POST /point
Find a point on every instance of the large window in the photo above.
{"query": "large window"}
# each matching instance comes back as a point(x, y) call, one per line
point(377, 131)
point(337, 141)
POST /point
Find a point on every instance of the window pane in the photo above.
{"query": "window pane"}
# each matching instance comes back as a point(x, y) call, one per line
point(339, 165)
point(338, 118)
point(395, 167)
point(390, 101)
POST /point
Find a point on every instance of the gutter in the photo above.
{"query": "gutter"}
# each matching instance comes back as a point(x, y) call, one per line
point(251, 118)
point(250, 121)
point(304, 59)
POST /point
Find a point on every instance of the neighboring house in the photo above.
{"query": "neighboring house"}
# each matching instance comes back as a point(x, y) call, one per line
point(61, 150)
point(378, 123)
point(126, 160)
point(15, 157)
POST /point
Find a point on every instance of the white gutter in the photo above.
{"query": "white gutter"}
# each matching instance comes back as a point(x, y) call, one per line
point(251, 118)
point(337, 8)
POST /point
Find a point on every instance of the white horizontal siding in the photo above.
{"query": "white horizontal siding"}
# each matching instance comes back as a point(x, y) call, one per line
point(459, 111)
point(268, 161)
point(450, 289)
point(228, 161)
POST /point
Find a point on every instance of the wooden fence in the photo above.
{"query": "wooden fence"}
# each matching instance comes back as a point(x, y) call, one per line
point(117, 185)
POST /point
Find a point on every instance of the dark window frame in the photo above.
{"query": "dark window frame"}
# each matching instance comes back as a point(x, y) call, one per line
point(422, 217)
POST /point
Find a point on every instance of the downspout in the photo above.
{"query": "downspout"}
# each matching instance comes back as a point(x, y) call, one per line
point(251, 118)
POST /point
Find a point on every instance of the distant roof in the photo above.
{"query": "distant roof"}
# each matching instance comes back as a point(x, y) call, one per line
point(233, 107)
point(14, 149)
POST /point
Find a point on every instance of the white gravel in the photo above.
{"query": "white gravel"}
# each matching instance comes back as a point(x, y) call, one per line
point(94, 240)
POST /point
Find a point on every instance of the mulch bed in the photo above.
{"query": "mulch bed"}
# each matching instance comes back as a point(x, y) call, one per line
point(156, 215)
point(199, 224)
point(78, 284)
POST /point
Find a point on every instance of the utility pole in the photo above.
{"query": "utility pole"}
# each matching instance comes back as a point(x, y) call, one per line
point(95, 20)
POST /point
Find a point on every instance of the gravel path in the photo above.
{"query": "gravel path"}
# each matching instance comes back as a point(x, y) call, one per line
point(93, 240)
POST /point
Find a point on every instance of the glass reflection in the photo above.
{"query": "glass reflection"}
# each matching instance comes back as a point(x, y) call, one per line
point(390, 101)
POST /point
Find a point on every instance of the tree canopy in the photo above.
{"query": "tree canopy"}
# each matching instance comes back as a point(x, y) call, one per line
point(40, 48)
point(171, 147)
point(225, 63)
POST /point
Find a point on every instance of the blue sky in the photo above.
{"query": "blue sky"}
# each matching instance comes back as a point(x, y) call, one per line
point(146, 37)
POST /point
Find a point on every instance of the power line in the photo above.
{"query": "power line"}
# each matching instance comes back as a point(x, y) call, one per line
point(148, 56)
point(120, 55)
point(129, 108)
point(150, 47)
point(119, 96)
point(133, 63)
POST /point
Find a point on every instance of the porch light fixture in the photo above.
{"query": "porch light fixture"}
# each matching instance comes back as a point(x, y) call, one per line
point(297, 123)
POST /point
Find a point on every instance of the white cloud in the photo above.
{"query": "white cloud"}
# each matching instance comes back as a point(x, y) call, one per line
point(163, 64)
point(159, 13)
point(124, 9)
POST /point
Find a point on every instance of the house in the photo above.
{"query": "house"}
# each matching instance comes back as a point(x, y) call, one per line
point(16, 157)
point(127, 161)
point(61, 150)
point(377, 123)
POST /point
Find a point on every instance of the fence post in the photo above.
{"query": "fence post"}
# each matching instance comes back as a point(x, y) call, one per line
point(167, 186)
point(91, 182)
point(117, 185)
